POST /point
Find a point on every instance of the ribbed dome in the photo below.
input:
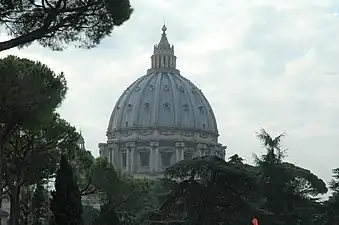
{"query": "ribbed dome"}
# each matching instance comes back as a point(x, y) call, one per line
point(162, 118)
point(163, 99)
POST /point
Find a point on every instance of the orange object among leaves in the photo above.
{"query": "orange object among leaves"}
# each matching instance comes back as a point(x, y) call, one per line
point(255, 221)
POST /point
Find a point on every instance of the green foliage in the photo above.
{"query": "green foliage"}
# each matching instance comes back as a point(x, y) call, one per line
point(40, 209)
point(107, 215)
point(66, 204)
point(29, 94)
point(89, 215)
point(286, 188)
point(26, 196)
point(56, 24)
point(334, 183)
point(331, 206)
point(208, 190)
point(82, 162)
point(29, 91)
point(120, 192)
point(32, 153)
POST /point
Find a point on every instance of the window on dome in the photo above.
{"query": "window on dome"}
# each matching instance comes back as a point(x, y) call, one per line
point(167, 106)
point(166, 159)
point(124, 159)
point(146, 106)
point(144, 158)
point(185, 107)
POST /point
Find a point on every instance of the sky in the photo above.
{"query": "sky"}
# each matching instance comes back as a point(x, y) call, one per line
point(262, 64)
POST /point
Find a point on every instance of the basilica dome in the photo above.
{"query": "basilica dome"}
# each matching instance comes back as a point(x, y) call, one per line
point(161, 118)
point(164, 100)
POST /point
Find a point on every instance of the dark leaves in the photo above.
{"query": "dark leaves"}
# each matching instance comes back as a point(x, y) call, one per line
point(56, 24)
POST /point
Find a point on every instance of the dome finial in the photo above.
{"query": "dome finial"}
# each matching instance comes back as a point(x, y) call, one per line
point(164, 28)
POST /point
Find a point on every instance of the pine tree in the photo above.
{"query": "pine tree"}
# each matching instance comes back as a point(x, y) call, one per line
point(66, 205)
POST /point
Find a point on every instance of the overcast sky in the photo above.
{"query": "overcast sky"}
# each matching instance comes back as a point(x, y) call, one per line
point(261, 63)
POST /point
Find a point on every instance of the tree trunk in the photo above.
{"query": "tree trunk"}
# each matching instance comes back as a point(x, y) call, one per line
point(1, 171)
point(15, 206)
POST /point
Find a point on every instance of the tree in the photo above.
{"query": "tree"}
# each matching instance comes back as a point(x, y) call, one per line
point(66, 204)
point(119, 193)
point(32, 155)
point(83, 162)
point(58, 23)
point(29, 93)
point(40, 209)
point(207, 190)
point(107, 215)
point(89, 214)
point(289, 190)
point(26, 195)
point(334, 183)
point(331, 206)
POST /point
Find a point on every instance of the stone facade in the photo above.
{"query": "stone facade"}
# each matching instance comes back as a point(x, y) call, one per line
point(151, 154)
point(160, 119)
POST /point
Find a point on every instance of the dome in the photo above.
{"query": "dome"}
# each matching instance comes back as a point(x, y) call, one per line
point(160, 119)
point(163, 99)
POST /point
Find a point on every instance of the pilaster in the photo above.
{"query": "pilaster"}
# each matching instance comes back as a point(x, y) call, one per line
point(155, 150)
point(201, 149)
point(131, 156)
point(179, 151)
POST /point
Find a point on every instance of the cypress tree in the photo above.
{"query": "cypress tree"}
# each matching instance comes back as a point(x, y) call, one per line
point(66, 205)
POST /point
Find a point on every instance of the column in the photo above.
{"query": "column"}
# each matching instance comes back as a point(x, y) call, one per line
point(223, 151)
point(112, 155)
point(155, 156)
point(115, 150)
point(201, 149)
point(157, 161)
point(127, 160)
point(132, 160)
point(151, 163)
point(177, 156)
point(179, 147)
point(131, 153)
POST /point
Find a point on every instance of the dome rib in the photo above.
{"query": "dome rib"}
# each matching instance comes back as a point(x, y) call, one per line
point(114, 120)
point(126, 112)
point(174, 100)
point(188, 98)
point(210, 110)
point(142, 101)
point(156, 97)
